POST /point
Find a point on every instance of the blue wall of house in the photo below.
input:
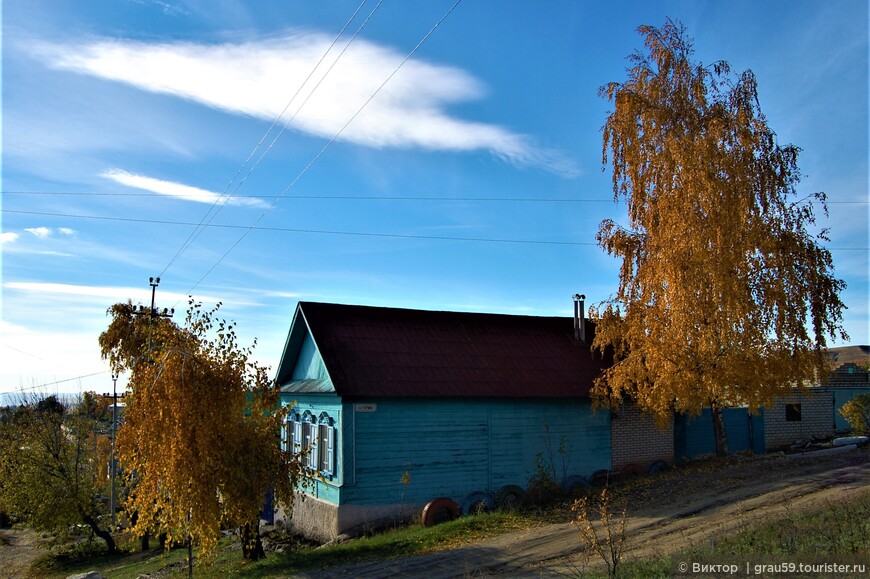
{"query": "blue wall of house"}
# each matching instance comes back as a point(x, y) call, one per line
point(456, 446)
point(453, 447)
point(693, 436)
point(327, 490)
point(309, 364)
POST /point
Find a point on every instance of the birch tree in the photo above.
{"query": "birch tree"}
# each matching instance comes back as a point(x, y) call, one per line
point(50, 472)
point(726, 293)
point(199, 443)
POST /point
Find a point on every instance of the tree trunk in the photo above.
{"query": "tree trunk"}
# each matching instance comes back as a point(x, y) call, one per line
point(145, 539)
point(101, 533)
point(189, 557)
point(719, 431)
point(252, 544)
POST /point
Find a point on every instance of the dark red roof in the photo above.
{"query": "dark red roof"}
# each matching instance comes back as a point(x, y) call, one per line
point(373, 351)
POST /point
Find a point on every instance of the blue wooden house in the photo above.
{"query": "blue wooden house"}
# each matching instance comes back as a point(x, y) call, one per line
point(400, 407)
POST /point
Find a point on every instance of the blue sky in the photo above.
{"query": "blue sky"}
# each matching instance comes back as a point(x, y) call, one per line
point(467, 178)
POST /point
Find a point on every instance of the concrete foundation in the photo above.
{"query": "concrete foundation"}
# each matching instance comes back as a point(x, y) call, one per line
point(323, 521)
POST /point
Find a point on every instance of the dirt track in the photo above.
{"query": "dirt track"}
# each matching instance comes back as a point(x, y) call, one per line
point(18, 550)
point(669, 512)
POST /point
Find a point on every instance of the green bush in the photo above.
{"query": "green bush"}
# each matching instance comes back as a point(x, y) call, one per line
point(857, 412)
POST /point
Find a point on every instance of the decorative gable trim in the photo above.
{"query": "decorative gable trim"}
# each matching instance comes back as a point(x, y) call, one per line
point(302, 369)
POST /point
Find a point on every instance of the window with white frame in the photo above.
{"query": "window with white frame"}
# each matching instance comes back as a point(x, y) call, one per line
point(317, 435)
point(308, 439)
point(289, 437)
point(326, 444)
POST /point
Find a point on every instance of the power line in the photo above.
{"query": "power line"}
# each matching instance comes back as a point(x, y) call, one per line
point(23, 388)
point(22, 352)
point(366, 197)
point(328, 145)
point(373, 197)
point(299, 230)
point(333, 232)
point(216, 206)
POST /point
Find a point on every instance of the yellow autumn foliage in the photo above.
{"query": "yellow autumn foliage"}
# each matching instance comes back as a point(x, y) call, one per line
point(198, 447)
point(726, 296)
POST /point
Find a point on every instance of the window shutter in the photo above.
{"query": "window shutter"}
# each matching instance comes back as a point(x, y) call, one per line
point(330, 449)
point(312, 444)
point(297, 437)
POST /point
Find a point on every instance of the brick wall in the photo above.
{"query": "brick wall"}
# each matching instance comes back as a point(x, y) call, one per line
point(816, 418)
point(848, 375)
point(634, 437)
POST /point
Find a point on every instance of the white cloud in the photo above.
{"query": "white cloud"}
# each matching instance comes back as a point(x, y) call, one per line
point(48, 331)
point(51, 357)
point(8, 237)
point(101, 293)
point(258, 78)
point(40, 232)
point(177, 190)
point(66, 230)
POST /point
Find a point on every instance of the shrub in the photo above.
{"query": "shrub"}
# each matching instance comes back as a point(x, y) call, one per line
point(857, 412)
point(608, 541)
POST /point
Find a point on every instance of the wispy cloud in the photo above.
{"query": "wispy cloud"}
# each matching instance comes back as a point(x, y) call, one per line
point(25, 330)
point(177, 190)
point(168, 8)
point(257, 79)
point(73, 353)
point(40, 232)
point(99, 293)
point(44, 245)
point(46, 232)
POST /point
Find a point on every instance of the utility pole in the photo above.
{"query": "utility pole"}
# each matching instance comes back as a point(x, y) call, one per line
point(114, 434)
point(153, 312)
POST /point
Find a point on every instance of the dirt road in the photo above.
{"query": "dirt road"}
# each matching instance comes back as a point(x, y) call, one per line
point(18, 549)
point(669, 512)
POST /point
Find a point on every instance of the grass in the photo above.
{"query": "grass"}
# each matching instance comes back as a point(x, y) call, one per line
point(838, 528)
point(228, 562)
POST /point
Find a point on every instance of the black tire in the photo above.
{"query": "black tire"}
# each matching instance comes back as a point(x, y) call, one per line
point(574, 483)
point(510, 497)
point(657, 467)
point(631, 471)
point(600, 478)
point(476, 503)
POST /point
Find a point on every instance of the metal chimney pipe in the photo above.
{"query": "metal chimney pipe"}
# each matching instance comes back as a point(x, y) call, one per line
point(579, 315)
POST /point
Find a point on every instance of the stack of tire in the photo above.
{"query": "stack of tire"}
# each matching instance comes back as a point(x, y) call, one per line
point(511, 497)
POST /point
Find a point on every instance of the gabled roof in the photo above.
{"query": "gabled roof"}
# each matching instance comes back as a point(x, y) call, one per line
point(392, 352)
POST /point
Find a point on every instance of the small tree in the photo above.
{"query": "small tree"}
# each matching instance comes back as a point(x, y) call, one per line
point(725, 297)
point(50, 472)
point(199, 444)
point(857, 412)
point(608, 541)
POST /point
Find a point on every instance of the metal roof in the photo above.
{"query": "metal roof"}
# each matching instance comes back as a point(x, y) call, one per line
point(393, 352)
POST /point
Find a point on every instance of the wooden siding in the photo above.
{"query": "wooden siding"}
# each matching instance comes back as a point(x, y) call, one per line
point(331, 404)
point(309, 365)
point(454, 447)
point(694, 436)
